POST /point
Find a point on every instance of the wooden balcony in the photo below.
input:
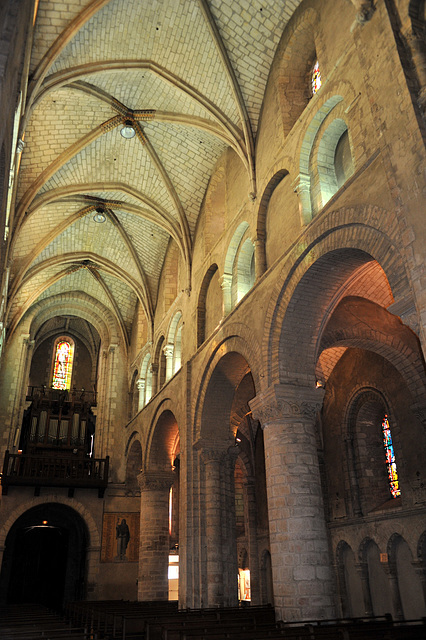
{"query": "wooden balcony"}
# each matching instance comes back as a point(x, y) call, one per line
point(43, 394)
point(29, 470)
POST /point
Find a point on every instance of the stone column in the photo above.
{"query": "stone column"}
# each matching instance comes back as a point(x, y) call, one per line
point(155, 383)
point(226, 285)
point(391, 572)
point(168, 350)
point(140, 384)
point(362, 569)
point(302, 573)
point(251, 532)
point(260, 255)
point(302, 187)
point(219, 530)
point(420, 570)
point(154, 535)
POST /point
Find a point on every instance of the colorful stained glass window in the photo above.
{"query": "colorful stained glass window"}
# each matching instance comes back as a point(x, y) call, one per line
point(62, 365)
point(316, 78)
point(390, 459)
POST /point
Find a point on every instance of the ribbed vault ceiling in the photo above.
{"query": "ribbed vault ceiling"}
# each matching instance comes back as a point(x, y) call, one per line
point(190, 76)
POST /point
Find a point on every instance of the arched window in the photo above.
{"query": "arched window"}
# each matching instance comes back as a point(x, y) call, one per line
point(390, 459)
point(315, 78)
point(343, 161)
point(62, 364)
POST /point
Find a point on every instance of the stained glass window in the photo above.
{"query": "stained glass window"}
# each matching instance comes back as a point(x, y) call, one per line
point(390, 459)
point(316, 78)
point(62, 365)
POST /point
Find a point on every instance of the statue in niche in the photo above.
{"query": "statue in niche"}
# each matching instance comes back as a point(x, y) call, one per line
point(123, 537)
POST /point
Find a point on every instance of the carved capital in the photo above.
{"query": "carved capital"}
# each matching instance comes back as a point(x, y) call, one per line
point(155, 481)
point(140, 384)
point(215, 452)
point(226, 281)
point(168, 350)
point(287, 403)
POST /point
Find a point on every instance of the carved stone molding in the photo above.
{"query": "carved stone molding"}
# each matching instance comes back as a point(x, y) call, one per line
point(287, 402)
point(155, 481)
point(215, 451)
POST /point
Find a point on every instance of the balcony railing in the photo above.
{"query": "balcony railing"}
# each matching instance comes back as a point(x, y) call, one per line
point(77, 396)
point(52, 471)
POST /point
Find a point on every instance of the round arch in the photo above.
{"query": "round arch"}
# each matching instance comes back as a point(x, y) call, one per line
point(316, 276)
point(46, 544)
point(238, 338)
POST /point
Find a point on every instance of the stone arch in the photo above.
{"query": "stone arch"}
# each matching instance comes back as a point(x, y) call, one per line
point(234, 337)
point(146, 375)
point(238, 277)
point(94, 535)
point(159, 486)
point(261, 258)
point(45, 556)
point(410, 599)
point(163, 445)
point(304, 186)
point(349, 581)
point(217, 405)
point(174, 342)
point(315, 270)
point(80, 305)
point(357, 322)
point(379, 600)
point(327, 179)
point(202, 306)
point(245, 269)
point(365, 413)
point(298, 55)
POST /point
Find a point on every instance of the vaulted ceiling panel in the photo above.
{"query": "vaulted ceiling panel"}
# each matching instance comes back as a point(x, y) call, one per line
point(144, 89)
point(110, 158)
point(251, 33)
point(200, 150)
point(188, 76)
point(86, 235)
point(72, 115)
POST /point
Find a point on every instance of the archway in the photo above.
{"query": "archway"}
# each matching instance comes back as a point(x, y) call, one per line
point(44, 559)
point(229, 464)
point(159, 486)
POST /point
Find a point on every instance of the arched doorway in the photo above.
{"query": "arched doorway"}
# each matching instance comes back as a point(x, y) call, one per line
point(44, 558)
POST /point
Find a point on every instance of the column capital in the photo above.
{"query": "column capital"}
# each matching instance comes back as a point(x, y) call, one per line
point(140, 383)
point(286, 402)
point(215, 451)
point(226, 281)
point(168, 350)
point(156, 480)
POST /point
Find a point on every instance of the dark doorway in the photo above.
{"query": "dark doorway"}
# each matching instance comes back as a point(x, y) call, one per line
point(44, 558)
point(39, 566)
